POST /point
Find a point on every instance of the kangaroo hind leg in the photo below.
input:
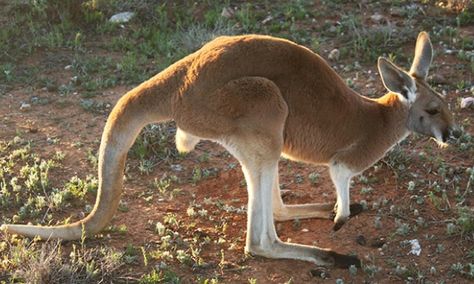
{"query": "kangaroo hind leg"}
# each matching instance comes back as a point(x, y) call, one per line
point(260, 170)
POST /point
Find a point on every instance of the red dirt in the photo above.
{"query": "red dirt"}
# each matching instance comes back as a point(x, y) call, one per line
point(63, 118)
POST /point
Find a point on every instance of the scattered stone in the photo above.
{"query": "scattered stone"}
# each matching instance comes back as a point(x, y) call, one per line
point(416, 212)
point(376, 18)
point(450, 51)
point(334, 54)
point(177, 168)
point(51, 141)
point(227, 12)
point(123, 17)
point(467, 102)
point(25, 106)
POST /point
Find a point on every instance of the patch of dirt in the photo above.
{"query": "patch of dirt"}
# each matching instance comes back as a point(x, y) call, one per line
point(62, 120)
point(71, 124)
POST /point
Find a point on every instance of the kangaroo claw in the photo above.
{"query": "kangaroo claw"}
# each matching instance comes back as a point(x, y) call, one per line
point(355, 209)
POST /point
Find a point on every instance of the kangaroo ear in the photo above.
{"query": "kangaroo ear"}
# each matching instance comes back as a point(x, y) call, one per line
point(423, 56)
point(396, 80)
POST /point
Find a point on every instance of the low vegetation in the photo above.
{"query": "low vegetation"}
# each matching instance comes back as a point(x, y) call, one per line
point(63, 65)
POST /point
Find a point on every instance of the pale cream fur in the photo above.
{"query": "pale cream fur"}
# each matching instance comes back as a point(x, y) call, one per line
point(261, 97)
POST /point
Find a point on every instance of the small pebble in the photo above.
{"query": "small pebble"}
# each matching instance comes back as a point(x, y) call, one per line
point(176, 168)
point(376, 18)
point(25, 106)
point(334, 54)
point(123, 17)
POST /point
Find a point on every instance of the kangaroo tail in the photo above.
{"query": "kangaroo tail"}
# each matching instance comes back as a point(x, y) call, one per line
point(148, 103)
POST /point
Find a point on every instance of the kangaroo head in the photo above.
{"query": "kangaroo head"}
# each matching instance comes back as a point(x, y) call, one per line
point(428, 112)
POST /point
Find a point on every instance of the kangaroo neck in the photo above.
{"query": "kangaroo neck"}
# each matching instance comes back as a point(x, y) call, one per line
point(395, 115)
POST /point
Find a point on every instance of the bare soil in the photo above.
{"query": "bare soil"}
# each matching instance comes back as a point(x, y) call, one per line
point(62, 118)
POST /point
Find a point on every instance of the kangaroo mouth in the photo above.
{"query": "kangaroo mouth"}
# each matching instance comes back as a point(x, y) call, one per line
point(441, 138)
point(449, 135)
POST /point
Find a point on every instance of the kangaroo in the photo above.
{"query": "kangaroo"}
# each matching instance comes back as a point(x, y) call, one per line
point(262, 97)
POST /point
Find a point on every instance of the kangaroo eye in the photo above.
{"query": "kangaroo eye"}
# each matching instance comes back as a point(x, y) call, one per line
point(432, 111)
